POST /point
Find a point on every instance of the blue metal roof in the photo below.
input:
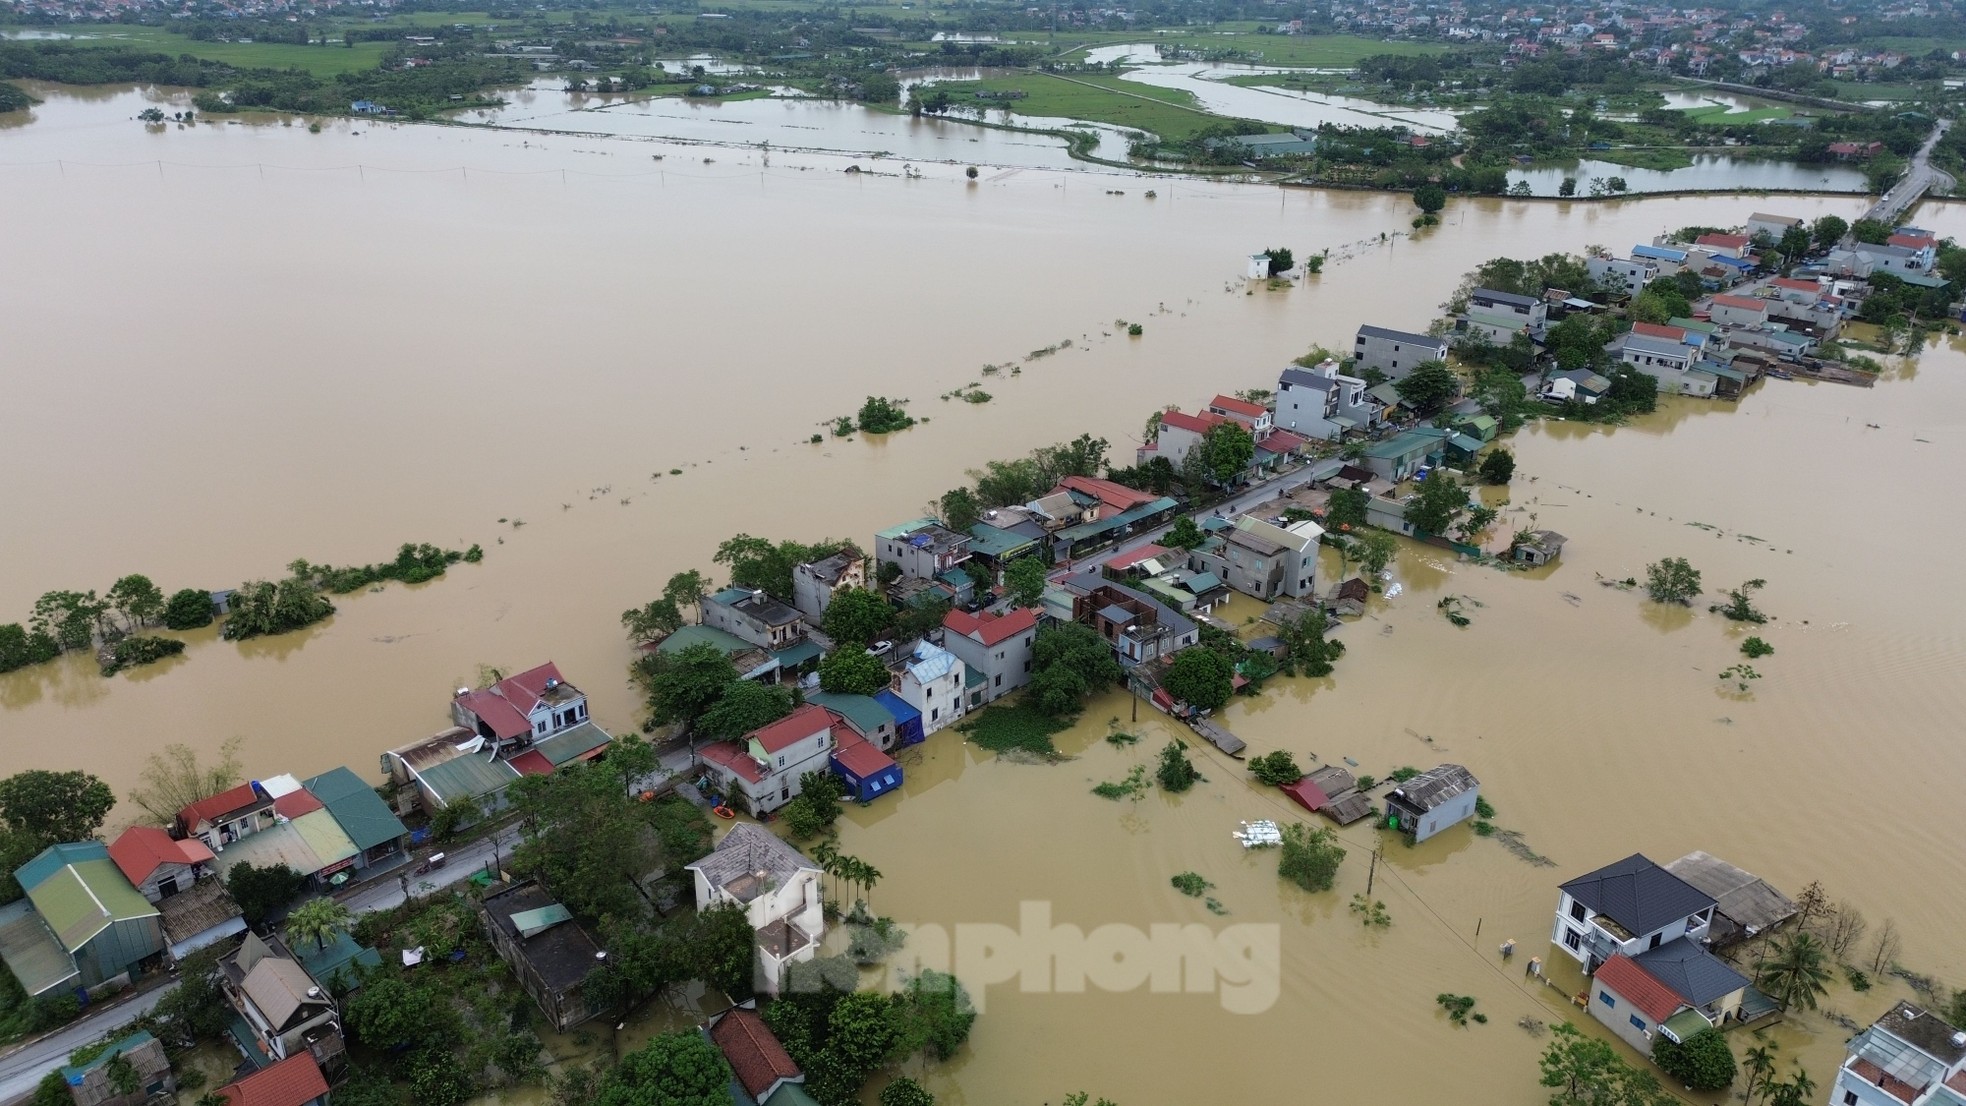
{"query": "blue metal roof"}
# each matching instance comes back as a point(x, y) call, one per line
point(898, 707)
point(1658, 253)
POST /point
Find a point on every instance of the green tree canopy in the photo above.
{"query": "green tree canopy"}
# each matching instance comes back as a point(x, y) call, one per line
point(654, 619)
point(856, 616)
point(1276, 769)
point(139, 601)
point(1702, 1061)
point(680, 1068)
point(188, 610)
point(1796, 972)
point(1498, 467)
point(681, 686)
point(1200, 678)
point(1438, 502)
point(1024, 581)
point(852, 671)
point(744, 706)
point(1429, 387)
point(582, 835)
point(933, 1015)
point(260, 608)
point(761, 564)
point(317, 920)
point(1873, 231)
point(1184, 534)
point(1346, 508)
point(1310, 858)
point(261, 892)
point(173, 778)
point(903, 1091)
point(53, 807)
point(1828, 231)
point(1226, 449)
point(1430, 198)
point(1068, 662)
point(1672, 580)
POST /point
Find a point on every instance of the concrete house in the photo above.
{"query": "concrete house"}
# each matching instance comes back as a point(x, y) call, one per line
point(765, 768)
point(754, 617)
point(177, 876)
point(931, 681)
point(759, 1064)
point(815, 584)
point(1908, 1057)
point(1323, 403)
point(996, 645)
point(1801, 293)
point(1669, 259)
point(1394, 352)
point(1628, 907)
point(777, 888)
point(867, 772)
point(1541, 547)
point(1254, 417)
point(1179, 432)
point(1724, 245)
point(295, 1081)
point(866, 715)
point(1396, 458)
point(1432, 801)
point(518, 710)
point(81, 924)
point(90, 1085)
point(284, 1011)
point(1670, 364)
point(1575, 385)
point(923, 549)
point(218, 820)
point(551, 954)
point(1774, 226)
point(1264, 560)
point(1137, 626)
point(1624, 276)
point(1526, 312)
point(1738, 311)
point(1674, 990)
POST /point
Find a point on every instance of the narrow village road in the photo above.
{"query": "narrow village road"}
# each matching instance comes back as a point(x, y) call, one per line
point(22, 1069)
point(1918, 179)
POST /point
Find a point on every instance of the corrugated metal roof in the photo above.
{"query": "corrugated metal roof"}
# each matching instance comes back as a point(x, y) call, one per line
point(866, 713)
point(364, 817)
point(31, 950)
point(573, 744)
point(530, 922)
point(280, 844)
point(81, 900)
point(466, 777)
point(323, 835)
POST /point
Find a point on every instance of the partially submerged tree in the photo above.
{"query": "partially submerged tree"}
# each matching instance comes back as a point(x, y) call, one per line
point(1796, 971)
point(1276, 769)
point(1672, 580)
point(1310, 858)
point(1202, 678)
point(174, 779)
point(1437, 503)
point(1702, 1061)
point(852, 671)
point(856, 616)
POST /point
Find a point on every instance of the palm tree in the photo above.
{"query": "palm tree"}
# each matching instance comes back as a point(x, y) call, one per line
point(869, 876)
point(828, 856)
point(1796, 973)
point(319, 919)
point(1760, 1064)
point(1795, 1092)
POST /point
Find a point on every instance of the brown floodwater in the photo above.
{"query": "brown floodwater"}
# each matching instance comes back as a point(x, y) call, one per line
point(228, 346)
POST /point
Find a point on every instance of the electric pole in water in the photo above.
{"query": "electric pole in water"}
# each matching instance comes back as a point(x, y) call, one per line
point(1371, 871)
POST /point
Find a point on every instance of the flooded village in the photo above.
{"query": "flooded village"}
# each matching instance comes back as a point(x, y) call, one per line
point(1558, 797)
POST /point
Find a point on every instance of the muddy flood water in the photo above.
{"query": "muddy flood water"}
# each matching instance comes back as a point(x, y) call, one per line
point(229, 346)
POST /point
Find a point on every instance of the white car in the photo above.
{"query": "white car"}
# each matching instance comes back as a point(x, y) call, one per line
point(880, 647)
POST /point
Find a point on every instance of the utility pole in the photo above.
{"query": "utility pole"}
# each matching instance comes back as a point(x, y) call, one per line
point(1371, 871)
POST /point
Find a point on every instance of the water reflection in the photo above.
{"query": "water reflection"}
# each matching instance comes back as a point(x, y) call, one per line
point(1709, 172)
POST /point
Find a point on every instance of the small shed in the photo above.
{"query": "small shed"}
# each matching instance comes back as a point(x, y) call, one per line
point(867, 772)
point(1332, 792)
point(1539, 548)
point(1432, 801)
point(1348, 597)
point(1748, 905)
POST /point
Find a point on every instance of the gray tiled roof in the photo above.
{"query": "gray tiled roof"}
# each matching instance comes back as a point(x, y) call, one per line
point(1693, 973)
point(1400, 336)
point(747, 850)
point(1638, 894)
point(1431, 788)
point(1299, 378)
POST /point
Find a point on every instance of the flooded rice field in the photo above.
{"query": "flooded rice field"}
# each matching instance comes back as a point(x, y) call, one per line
point(232, 345)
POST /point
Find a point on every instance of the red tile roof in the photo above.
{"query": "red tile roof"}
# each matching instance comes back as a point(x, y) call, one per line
point(1230, 405)
point(1283, 441)
point(291, 1082)
point(990, 627)
point(1725, 241)
point(1129, 559)
point(1108, 492)
point(296, 803)
point(1637, 986)
point(1912, 241)
point(793, 728)
point(532, 762)
point(732, 757)
point(1659, 330)
point(1797, 285)
point(1742, 302)
point(1889, 1084)
point(1308, 795)
point(505, 720)
point(141, 850)
point(755, 1055)
point(215, 806)
point(1197, 424)
point(525, 689)
point(854, 752)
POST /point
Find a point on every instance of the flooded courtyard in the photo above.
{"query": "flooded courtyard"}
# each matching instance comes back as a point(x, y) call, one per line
point(236, 344)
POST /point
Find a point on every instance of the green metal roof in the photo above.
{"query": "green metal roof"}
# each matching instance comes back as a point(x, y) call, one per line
point(364, 817)
point(1921, 280)
point(465, 777)
point(682, 639)
point(790, 1094)
point(1201, 583)
point(1464, 443)
point(973, 677)
point(864, 711)
point(569, 745)
point(1097, 527)
point(31, 951)
point(83, 899)
point(906, 528)
point(991, 541)
point(1685, 1023)
point(531, 922)
point(1485, 423)
point(1708, 329)
point(340, 955)
point(323, 835)
point(1164, 590)
point(1510, 323)
point(56, 857)
point(1403, 444)
point(75, 1073)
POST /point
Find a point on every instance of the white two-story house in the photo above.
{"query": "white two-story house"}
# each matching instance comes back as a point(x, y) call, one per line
point(1394, 352)
point(923, 549)
point(1254, 417)
point(932, 681)
point(778, 889)
point(754, 617)
point(1908, 1057)
point(764, 769)
point(518, 710)
point(1629, 907)
point(814, 584)
point(1324, 403)
point(998, 646)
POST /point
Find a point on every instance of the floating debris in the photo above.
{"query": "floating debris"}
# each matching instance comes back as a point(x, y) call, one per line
point(1259, 835)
